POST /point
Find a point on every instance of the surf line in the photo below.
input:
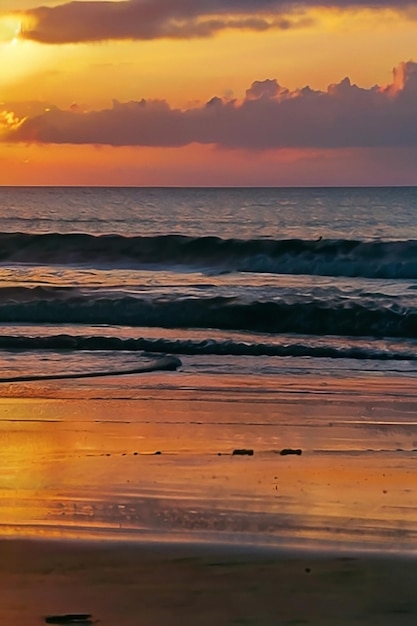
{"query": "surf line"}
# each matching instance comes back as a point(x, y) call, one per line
point(166, 363)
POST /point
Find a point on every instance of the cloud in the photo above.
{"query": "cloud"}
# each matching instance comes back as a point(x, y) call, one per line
point(269, 117)
point(88, 21)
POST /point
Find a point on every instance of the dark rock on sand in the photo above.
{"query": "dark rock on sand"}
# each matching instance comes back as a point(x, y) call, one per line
point(286, 451)
point(71, 618)
point(242, 452)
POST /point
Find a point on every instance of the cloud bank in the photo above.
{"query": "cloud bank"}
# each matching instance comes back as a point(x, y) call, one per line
point(269, 117)
point(76, 22)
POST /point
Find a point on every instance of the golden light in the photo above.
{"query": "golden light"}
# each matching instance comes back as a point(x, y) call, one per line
point(18, 30)
point(9, 121)
point(18, 57)
point(10, 29)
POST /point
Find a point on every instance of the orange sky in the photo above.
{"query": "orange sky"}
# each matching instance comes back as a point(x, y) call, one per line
point(59, 125)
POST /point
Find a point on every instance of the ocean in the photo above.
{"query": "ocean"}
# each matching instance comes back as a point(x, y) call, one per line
point(247, 281)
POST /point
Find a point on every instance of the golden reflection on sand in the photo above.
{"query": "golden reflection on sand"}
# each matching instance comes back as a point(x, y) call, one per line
point(163, 464)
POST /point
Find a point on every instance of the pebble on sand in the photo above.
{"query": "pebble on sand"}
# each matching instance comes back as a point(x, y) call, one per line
point(286, 451)
point(242, 452)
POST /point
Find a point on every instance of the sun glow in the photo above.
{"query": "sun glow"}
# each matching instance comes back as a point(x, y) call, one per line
point(18, 58)
point(17, 33)
point(9, 121)
point(10, 30)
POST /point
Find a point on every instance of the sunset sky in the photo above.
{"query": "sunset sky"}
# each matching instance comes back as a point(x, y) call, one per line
point(208, 92)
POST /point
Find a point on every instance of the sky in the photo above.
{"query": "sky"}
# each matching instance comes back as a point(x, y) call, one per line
point(208, 92)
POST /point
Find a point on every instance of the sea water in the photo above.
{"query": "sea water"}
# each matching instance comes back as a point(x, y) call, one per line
point(248, 280)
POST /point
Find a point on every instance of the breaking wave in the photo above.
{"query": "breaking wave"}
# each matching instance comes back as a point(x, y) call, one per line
point(325, 257)
point(216, 347)
point(338, 316)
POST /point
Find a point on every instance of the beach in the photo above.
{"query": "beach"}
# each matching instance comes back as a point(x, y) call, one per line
point(208, 313)
point(159, 584)
point(122, 500)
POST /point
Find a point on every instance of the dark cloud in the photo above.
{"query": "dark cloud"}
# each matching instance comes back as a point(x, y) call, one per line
point(269, 117)
point(150, 19)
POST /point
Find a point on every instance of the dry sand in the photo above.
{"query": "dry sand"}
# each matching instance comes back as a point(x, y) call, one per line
point(162, 585)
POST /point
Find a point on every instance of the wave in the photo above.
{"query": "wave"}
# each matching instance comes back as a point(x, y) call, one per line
point(366, 317)
point(325, 257)
point(165, 363)
point(191, 347)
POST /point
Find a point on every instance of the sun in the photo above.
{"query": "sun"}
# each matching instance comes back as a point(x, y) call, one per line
point(10, 30)
point(17, 33)
point(19, 58)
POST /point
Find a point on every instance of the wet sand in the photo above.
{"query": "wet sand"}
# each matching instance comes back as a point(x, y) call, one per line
point(128, 504)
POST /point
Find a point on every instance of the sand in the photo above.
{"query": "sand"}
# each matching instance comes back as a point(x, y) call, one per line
point(128, 504)
point(151, 584)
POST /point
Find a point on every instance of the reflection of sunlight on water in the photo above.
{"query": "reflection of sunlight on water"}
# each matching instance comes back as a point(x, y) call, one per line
point(85, 466)
point(321, 506)
point(49, 362)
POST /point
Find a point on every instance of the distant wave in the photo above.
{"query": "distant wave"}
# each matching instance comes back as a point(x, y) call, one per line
point(366, 317)
point(325, 257)
point(228, 347)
